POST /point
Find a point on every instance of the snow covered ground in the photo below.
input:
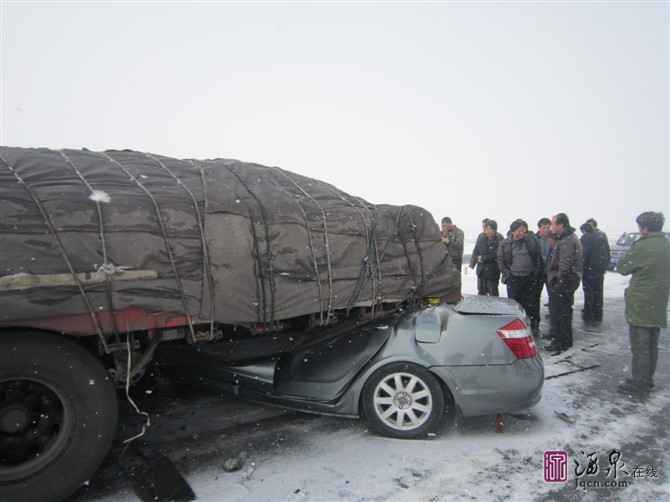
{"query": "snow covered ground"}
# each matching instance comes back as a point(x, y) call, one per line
point(295, 457)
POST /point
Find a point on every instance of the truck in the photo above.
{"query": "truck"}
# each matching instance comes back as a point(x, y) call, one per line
point(105, 257)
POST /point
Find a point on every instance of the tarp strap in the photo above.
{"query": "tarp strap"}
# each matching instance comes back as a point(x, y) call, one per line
point(365, 264)
point(198, 217)
point(388, 241)
point(105, 254)
point(258, 270)
point(410, 265)
point(374, 270)
point(208, 264)
point(66, 258)
point(161, 226)
point(377, 280)
point(263, 270)
point(366, 268)
point(310, 245)
point(420, 253)
point(412, 293)
point(326, 240)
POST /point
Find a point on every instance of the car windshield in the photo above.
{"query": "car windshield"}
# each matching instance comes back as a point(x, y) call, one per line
point(628, 239)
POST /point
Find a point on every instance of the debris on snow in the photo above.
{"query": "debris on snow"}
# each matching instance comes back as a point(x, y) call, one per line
point(232, 464)
point(565, 417)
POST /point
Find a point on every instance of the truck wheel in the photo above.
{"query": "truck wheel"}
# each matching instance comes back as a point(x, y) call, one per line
point(58, 415)
point(403, 400)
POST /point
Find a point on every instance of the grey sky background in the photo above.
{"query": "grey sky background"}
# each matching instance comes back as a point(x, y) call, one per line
point(470, 111)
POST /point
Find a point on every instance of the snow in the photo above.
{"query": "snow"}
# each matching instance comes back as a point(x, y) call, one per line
point(100, 196)
point(331, 459)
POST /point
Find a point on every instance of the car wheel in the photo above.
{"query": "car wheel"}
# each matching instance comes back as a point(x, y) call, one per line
point(403, 400)
point(58, 415)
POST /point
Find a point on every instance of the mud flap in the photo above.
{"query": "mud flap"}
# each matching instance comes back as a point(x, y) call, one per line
point(153, 476)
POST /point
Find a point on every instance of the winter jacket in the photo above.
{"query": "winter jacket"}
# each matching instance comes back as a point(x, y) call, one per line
point(481, 247)
point(565, 265)
point(455, 241)
point(505, 255)
point(487, 267)
point(596, 250)
point(478, 249)
point(647, 294)
point(546, 245)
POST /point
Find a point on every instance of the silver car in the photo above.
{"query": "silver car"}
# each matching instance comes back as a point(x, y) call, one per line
point(477, 358)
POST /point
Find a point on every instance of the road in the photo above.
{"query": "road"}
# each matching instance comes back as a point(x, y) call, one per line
point(296, 457)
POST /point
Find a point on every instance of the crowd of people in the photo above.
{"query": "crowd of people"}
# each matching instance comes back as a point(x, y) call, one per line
point(555, 258)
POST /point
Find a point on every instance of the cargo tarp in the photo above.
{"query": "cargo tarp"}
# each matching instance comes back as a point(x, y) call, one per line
point(218, 240)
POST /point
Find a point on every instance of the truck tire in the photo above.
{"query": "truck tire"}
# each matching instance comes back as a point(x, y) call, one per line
point(58, 416)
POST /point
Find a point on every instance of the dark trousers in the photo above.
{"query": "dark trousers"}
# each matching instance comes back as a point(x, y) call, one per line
point(523, 289)
point(487, 286)
point(561, 299)
point(537, 298)
point(644, 346)
point(592, 283)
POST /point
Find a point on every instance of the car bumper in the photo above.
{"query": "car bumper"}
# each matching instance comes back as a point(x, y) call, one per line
point(486, 390)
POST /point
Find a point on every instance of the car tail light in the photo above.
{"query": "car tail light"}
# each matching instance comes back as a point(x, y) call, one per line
point(518, 338)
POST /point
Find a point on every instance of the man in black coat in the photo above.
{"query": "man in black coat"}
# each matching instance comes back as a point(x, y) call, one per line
point(488, 274)
point(520, 262)
point(476, 253)
point(596, 253)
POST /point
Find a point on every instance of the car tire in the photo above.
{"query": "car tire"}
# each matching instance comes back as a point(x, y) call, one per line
point(403, 400)
point(58, 416)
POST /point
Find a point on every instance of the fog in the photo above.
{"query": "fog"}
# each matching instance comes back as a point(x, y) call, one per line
point(474, 111)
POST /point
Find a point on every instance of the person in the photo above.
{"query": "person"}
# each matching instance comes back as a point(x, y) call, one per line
point(600, 233)
point(596, 259)
point(453, 239)
point(481, 241)
point(538, 283)
point(605, 240)
point(546, 245)
point(488, 273)
point(544, 236)
point(564, 271)
point(648, 261)
point(520, 264)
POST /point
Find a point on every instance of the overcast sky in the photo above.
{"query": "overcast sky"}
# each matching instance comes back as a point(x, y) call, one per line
point(499, 111)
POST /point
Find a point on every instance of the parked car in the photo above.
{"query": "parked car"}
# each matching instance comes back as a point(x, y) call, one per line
point(623, 244)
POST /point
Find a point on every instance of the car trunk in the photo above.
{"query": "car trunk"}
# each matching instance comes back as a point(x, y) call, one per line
point(488, 305)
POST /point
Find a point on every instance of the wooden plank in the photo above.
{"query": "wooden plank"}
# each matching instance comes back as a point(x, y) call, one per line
point(20, 282)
